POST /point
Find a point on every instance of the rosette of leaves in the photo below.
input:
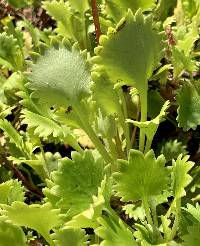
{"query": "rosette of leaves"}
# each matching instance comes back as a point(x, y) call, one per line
point(75, 183)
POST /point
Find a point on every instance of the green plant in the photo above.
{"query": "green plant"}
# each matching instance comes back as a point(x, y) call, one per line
point(127, 189)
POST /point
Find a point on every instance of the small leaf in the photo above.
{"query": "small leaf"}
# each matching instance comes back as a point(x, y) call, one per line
point(114, 232)
point(141, 176)
point(69, 236)
point(180, 176)
point(10, 233)
point(10, 191)
point(189, 107)
point(75, 182)
point(194, 211)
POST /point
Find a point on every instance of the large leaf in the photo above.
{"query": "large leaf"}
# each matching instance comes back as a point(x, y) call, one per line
point(69, 236)
point(130, 52)
point(192, 238)
point(141, 176)
point(60, 77)
point(75, 182)
point(41, 218)
point(189, 107)
point(180, 176)
point(10, 233)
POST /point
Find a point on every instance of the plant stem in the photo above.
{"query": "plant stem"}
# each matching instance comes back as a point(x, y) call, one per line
point(95, 14)
point(122, 116)
point(119, 146)
point(92, 135)
point(148, 145)
point(176, 221)
point(147, 211)
point(143, 103)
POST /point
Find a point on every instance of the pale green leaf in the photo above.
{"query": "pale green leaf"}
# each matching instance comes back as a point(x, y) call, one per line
point(134, 211)
point(189, 107)
point(60, 77)
point(131, 52)
point(10, 191)
point(41, 218)
point(114, 232)
point(69, 236)
point(180, 176)
point(75, 182)
point(142, 176)
point(10, 233)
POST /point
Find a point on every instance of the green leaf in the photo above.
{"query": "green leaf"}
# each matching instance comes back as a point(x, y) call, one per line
point(69, 236)
point(114, 232)
point(44, 127)
point(192, 238)
point(141, 176)
point(131, 52)
point(180, 176)
point(10, 51)
point(134, 211)
point(80, 6)
point(60, 77)
point(75, 182)
point(41, 218)
point(10, 191)
point(10, 132)
point(172, 149)
point(18, 3)
point(117, 9)
point(104, 93)
point(10, 233)
point(189, 107)
point(194, 211)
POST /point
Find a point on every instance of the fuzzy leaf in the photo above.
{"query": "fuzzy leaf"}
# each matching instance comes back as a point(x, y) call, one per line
point(60, 77)
point(141, 176)
point(10, 233)
point(69, 236)
point(189, 107)
point(114, 233)
point(75, 182)
point(11, 191)
point(180, 176)
point(131, 52)
point(41, 218)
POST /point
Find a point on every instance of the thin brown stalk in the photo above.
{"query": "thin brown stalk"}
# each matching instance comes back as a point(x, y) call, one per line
point(95, 14)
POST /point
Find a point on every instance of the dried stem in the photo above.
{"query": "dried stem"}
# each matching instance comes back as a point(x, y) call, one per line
point(95, 15)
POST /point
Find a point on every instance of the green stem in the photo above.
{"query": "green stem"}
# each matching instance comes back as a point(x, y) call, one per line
point(112, 148)
point(92, 135)
point(118, 142)
point(148, 144)
point(45, 160)
point(143, 103)
point(123, 115)
point(147, 211)
point(176, 221)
